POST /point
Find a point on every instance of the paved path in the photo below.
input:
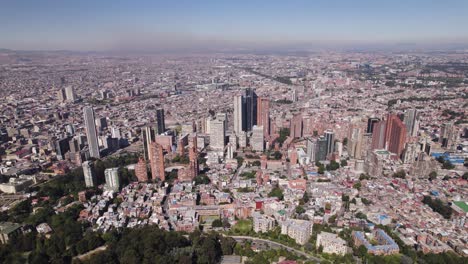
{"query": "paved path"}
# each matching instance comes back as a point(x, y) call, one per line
point(302, 253)
point(89, 253)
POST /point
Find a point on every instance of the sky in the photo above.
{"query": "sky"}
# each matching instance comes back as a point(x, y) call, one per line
point(231, 24)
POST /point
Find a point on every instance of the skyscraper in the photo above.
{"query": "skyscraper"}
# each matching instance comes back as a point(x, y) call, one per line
point(157, 161)
point(311, 149)
point(330, 137)
point(257, 140)
point(296, 126)
point(263, 115)
point(217, 134)
point(161, 125)
point(250, 114)
point(91, 133)
point(411, 120)
point(238, 114)
point(61, 96)
point(89, 175)
point(112, 179)
point(370, 124)
point(378, 135)
point(395, 136)
point(245, 111)
point(141, 171)
point(294, 95)
point(70, 94)
point(148, 135)
point(448, 136)
point(193, 161)
point(355, 142)
point(322, 147)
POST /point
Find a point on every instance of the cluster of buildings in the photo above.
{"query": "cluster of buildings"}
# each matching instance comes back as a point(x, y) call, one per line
point(249, 137)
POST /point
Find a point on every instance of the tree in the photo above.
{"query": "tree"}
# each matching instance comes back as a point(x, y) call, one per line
point(276, 192)
point(357, 185)
point(344, 198)
point(277, 155)
point(217, 223)
point(400, 174)
point(227, 245)
point(432, 175)
point(465, 176)
point(300, 209)
point(344, 163)
point(333, 165)
point(364, 177)
point(361, 215)
point(448, 165)
point(345, 141)
point(361, 251)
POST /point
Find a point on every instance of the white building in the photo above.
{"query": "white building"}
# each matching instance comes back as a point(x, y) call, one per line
point(70, 94)
point(299, 230)
point(217, 134)
point(237, 114)
point(257, 141)
point(262, 223)
point(331, 243)
point(112, 179)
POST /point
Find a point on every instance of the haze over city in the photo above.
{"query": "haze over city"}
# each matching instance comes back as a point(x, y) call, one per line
point(216, 25)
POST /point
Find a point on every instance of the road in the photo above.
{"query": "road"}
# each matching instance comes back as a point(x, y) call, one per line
point(256, 239)
point(89, 253)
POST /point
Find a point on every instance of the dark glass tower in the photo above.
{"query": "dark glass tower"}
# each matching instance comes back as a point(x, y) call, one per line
point(250, 114)
point(161, 126)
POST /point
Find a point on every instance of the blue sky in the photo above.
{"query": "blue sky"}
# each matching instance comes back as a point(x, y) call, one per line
point(105, 24)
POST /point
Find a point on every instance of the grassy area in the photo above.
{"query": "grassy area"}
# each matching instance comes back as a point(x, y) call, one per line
point(243, 226)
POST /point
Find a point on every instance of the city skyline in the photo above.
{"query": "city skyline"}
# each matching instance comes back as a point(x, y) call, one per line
point(211, 26)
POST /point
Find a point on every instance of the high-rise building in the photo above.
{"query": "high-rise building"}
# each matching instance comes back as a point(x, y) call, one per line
point(257, 140)
point(61, 96)
point(91, 133)
point(322, 148)
point(250, 109)
point(238, 114)
point(296, 126)
point(141, 171)
point(245, 111)
point(395, 138)
point(62, 146)
point(193, 161)
point(355, 143)
point(294, 95)
point(112, 179)
point(311, 149)
point(263, 115)
point(89, 175)
point(448, 136)
point(330, 136)
point(230, 151)
point(101, 123)
point(148, 135)
point(370, 124)
point(70, 94)
point(378, 135)
point(411, 120)
point(223, 117)
point(157, 161)
point(115, 132)
point(161, 125)
point(217, 134)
